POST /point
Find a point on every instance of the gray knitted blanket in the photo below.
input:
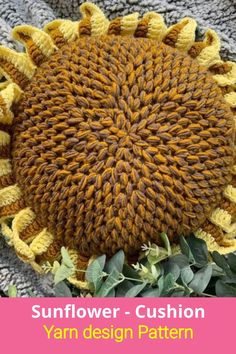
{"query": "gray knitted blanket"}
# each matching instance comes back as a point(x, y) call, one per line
point(216, 14)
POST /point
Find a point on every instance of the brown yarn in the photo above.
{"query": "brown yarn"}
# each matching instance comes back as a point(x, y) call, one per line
point(223, 68)
point(57, 37)
point(6, 180)
point(12, 209)
point(30, 231)
point(116, 140)
point(85, 27)
point(196, 49)
point(172, 36)
point(142, 28)
point(18, 77)
point(34, 51)
point(115, 26)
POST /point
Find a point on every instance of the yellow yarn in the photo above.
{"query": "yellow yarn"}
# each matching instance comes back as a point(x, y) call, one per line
point(9, 95)
point(55, 24)
point(99, 22)
point(156, 27)
point(230, 193)
point(4, 138)
point(222, 219)
point(69, 30)
point(40, 38)
point(212, 244)
point(9, 195)
point(228, 78)
point(7, 232)
point(5, 167)
point(210, 54)
point(231, 99)
point(129, 24)
point(186, 36)
point(88, 9)
point(41, 242)
point(20, 60)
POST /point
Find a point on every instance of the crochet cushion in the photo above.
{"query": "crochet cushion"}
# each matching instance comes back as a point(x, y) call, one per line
point(115, 138)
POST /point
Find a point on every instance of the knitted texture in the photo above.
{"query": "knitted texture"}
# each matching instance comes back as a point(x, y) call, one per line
point(113, 144)
point(122, 130)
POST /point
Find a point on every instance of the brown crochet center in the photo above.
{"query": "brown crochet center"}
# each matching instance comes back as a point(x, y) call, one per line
point(117, 139)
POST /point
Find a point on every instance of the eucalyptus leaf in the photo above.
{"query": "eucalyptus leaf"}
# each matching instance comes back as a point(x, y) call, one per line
point(112, 293)
point(160, 284)
point(198, 249)
point(225, 290)
point(180, 260)
point(185, 249)
point(173, 268)
point(62, 290)
point(66, 258)
point(166, 241)
point(229, 280)
point(231, 260)
point(217, 271)
point(221, 262)
point(187, 275)
point(94, 272)
point(129, 272)
point(201, 279)
point(111, 282)
point(153, 259)
point(123, 287)
point(167, 284)
point(135, 290)
point(116, 262)
point(62, 273)
point(152, 292)
point(177, 292)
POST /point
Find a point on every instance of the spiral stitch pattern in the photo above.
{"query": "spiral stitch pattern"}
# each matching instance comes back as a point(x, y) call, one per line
point(116, 141)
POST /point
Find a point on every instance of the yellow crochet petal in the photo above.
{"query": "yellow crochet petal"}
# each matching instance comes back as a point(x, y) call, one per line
point(212, 245)
point(19, 60)
point(7, 232)
point(186, 36)
point(9, 195)
point(69, 30)
point(230, 193)
point(129, 24)
point(227, 79)
point(8, 96)
point(88, 9)
point(156, 26)
point(222, 219)
point(99, 22)
point(231, 99)
point(4, 138)
point(29, 34)
point(210, 54)
point(16, 67)
point(62, 31)
point(5, 167)
point(41, 242)
point(73, 279)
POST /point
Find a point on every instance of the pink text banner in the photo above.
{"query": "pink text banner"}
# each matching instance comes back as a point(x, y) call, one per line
point(92, 325)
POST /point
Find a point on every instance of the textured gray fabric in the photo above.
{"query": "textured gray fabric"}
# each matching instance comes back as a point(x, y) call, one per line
point(216, 14)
